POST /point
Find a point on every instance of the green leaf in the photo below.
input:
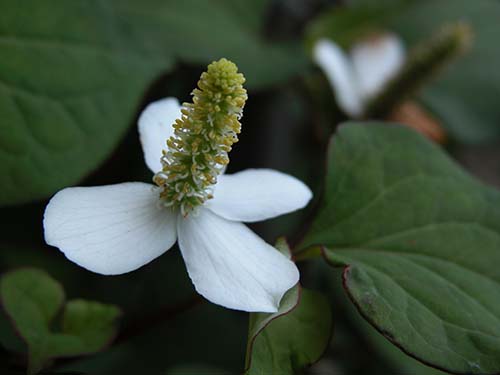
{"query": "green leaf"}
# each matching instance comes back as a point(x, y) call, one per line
point(294, 337)
point(473, 79)
point(420, 240)
point(69, 86)
point(290, 339)
point(92, 324)
point(32, 300)
point(390, 353)
point(382, 352)
point(73, 74)
point(258, 321)
point(346, 25)
point(199, 32)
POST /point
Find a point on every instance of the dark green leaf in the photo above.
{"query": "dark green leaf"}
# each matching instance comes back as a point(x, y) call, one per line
point(347, 25)
point(258, 321)
point(92, 324)
point(420, 240)
point(384, 357)
point(73, 73)
point(295, 337)
point(199, 32)
point(32, 300)
point(69, 86)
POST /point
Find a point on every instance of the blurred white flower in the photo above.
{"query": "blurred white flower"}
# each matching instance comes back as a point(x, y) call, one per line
point(118, 228)
point(360, 75)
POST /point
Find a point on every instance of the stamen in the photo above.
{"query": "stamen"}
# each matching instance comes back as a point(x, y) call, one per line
point(208, 127)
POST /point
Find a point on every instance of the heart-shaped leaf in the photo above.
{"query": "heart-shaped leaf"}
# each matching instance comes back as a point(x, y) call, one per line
point(33, 300)
point(73, 73)
point(465, 96)
point(420, 242)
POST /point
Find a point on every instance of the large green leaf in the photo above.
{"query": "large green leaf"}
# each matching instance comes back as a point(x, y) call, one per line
point(72, 74)
point(32, 300)
point(69, 85)
point(465, 96)
point(420, 240)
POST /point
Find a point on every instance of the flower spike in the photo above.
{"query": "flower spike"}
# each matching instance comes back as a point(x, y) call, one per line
point(198, 151)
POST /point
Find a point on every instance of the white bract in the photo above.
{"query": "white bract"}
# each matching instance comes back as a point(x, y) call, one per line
point(360, 75)
point(118, 228)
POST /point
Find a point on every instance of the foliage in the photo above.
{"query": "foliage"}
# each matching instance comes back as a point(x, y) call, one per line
point(420, 242)
point(33, 300)
point(65, 114)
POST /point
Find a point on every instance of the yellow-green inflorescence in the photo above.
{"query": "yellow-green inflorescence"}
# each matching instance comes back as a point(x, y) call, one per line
point(198, 151)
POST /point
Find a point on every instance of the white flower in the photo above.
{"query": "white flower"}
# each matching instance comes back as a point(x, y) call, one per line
point(118, 228)
point(358, 77)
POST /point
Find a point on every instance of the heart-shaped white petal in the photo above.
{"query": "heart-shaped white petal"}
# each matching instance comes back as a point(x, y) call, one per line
point(339, 71)
point(376, 61)
point(257, 194)
point(109, 229)
point(231, 266)
point(155, 127)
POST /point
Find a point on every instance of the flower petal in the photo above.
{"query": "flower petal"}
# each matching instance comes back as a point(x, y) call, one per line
point(155, 127)
point(376, 61)
point(257, 194)
point(231, 266)
point(109, 229)
point(339, 71)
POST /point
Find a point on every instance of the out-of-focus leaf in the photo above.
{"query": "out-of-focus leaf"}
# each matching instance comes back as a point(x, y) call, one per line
point(92, 323)
point(464, 96)
point(70, 84)
point(192, 337)
point(420, 243)
point(346, 25)
point(32, 300)
point(199, 32)
point(73, 73)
